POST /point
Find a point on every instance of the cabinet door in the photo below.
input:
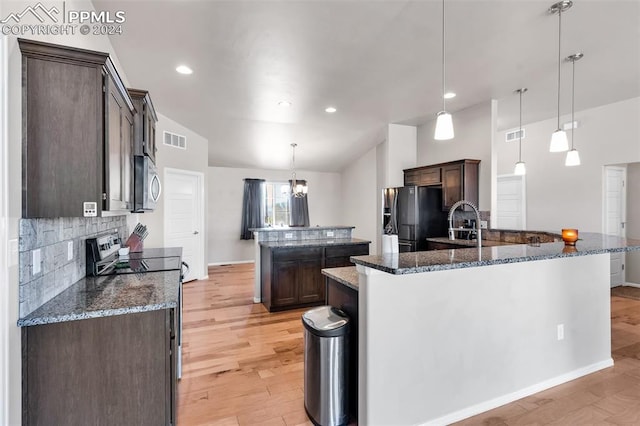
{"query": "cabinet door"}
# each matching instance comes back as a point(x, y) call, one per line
point(430, 176)
point(411, 177)
point(127, 158)
point(150, 134)
point(285, 282)
point(118, 151)
point(452, 179)
point(62, 137)
point(310, 281)
point(113, 149)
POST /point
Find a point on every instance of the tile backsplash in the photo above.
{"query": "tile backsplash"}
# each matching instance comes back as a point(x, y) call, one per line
point(293, 234)
point(52, 237)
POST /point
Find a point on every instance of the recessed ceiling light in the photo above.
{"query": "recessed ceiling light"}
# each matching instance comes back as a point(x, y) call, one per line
point(449, 95)
point(183, 69)
point(330, 109)
point(284, 104)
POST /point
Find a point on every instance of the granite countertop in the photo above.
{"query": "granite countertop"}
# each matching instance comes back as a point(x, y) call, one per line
point(299, 228)
point(440, 260)
point(347, 275)
point(109, 295)
point(468, 243)
point(313, 243)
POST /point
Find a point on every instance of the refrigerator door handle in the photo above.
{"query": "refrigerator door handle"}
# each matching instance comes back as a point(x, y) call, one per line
point(394, 214)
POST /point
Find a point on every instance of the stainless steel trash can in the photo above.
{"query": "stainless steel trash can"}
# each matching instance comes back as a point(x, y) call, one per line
point(326, 363)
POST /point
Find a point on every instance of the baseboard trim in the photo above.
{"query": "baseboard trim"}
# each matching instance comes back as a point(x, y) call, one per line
point(231, 262)
point(631, 285)
point(256, 300)
point(514, 396)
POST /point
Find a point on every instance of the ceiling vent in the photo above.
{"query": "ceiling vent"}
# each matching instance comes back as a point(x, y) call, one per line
point(175, 140)
point(514, 136)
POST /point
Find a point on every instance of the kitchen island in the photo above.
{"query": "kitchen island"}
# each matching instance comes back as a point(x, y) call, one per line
point(301, 252)
point(444, 335)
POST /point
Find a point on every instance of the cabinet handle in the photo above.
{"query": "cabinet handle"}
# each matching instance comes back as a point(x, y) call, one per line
point(195, 232)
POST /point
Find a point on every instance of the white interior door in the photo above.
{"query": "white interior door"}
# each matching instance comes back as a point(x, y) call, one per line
point(183, 218)
point(614, 216)
point(511, 202)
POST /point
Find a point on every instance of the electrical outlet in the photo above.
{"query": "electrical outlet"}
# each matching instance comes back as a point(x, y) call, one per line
point(329, 233)
point(484, 224)
point(70, 250)
point(560, 331)
point(288, 235)
point(36, 262)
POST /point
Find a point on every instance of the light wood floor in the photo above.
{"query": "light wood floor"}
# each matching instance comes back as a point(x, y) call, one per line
point(243, 366)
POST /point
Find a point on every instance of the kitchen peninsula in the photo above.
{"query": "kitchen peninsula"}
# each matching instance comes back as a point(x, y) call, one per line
point(447, 334)
point(289, 263)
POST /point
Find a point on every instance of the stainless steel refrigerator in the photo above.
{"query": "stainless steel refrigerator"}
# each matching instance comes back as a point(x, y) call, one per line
point(414, 213)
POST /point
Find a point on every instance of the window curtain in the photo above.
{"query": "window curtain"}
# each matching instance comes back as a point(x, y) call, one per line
point(252, 208)
point(299, 208)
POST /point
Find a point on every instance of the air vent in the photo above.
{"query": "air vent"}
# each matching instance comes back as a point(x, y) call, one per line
point(175, 140)
point(514, 136)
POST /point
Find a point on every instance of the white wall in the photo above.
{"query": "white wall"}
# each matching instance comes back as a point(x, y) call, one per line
point(13, 197)
point(633, 221)
point(571, 197)
point(193, 159)
point(473, 140)
point(224, 215)
point(360, 198)
point(400, 153)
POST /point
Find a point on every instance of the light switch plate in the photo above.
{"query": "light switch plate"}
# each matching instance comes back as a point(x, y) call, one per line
point(36, 262)
point(484, 224)
point(70, 250)
point(329, 233)
point(288, 235)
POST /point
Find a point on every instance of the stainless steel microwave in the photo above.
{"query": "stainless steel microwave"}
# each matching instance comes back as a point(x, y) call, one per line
point(147, 187)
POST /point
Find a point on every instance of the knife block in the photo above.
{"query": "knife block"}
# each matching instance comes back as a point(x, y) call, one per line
point(134, 243)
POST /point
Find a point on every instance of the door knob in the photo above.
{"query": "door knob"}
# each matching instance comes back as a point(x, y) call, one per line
point(195, 232)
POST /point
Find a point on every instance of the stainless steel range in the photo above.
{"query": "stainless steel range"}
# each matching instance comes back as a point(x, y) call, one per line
point(103, 259)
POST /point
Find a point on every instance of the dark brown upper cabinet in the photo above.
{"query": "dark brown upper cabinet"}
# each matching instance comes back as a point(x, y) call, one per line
point(77, 133)
point(144, 142)
point(459, 180)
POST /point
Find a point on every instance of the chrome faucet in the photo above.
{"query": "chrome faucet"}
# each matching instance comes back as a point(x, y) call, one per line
point(452, 234)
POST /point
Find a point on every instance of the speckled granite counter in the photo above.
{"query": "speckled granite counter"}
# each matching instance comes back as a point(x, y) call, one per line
point(347, 275)
point(313, 243)
point(94, 297)
point(440, 260)
point(467, 243)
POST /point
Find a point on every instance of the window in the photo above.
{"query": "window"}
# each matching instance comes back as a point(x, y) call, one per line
point(277, 208)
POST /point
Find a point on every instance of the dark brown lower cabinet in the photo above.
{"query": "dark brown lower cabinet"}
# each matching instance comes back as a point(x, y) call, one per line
point(346, 299)
point(117, 370)
point(291, 277)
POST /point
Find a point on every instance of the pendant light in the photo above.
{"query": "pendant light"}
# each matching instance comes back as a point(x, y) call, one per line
point(444, 123)
point(298, 187)
point(520, 168)
point(559, 142)
point(573, 158)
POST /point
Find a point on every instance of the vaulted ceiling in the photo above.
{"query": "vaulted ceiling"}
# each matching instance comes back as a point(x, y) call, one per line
point(377, 62)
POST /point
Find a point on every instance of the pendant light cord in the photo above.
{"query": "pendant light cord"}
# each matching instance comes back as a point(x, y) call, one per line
point(559, 60)
point(520, 132)
point(443, 62)
point(573, 95)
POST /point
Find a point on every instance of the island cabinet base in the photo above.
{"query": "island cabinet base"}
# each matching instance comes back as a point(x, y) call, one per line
point(117, 370)
point(291, 277)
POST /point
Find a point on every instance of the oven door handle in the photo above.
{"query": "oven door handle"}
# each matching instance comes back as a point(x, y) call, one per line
point(184, 270)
